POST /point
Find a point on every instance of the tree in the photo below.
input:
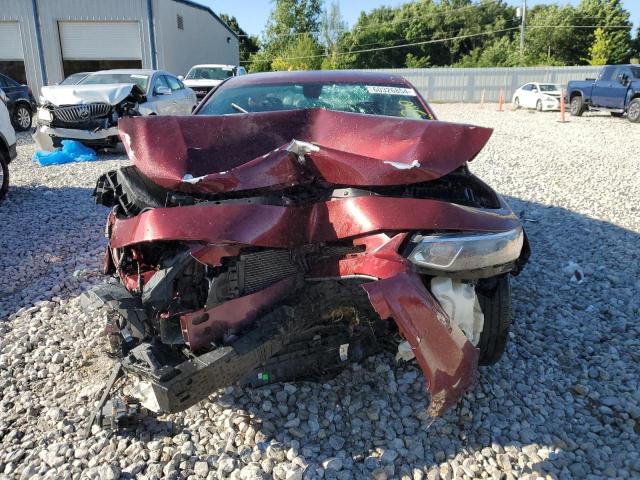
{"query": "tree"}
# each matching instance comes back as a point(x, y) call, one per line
point(292, 28)
point(303, 53)
point(609, 15)
point(248, 43)
point(601, 50)
point(332, 27)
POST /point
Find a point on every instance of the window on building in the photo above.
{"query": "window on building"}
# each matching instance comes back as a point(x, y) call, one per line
point(180, 21)
point(14, 69)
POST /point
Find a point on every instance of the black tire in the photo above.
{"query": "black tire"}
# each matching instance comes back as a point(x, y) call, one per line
point(616, 114)
point(495, 300)
point(516, 103)
point(5, 175)
point(539, 105)
point(577, 107)
point(633, 112)
point(22, 117)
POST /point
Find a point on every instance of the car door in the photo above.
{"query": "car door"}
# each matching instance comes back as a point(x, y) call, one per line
point(602, 87)
point(183, 98)
point(525, 97)
point(160, 100)
point(619, 85)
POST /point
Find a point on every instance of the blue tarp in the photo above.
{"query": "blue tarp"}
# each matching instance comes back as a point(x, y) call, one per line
point(72, 151)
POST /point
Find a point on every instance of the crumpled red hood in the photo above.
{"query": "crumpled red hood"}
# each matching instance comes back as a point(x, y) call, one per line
point(211, 154)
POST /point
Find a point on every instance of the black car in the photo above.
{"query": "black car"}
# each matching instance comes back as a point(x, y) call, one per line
point(21, 104)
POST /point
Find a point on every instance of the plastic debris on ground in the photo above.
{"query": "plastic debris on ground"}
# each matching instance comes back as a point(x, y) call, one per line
point(72, 151)
point(575, 270)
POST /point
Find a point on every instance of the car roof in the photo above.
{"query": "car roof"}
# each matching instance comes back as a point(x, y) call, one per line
point(214, 65)
point(311, 76)
point(138, 71)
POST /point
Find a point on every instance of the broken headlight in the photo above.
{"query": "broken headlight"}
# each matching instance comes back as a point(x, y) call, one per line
point(458, 252)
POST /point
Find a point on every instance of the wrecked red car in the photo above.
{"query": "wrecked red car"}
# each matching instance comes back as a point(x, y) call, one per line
point(297, 222)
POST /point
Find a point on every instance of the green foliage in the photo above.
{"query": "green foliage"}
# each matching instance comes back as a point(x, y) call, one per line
point(602, 49)
point(482, 33)
point(303, 53)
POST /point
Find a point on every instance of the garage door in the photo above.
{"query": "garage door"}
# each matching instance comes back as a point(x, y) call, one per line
point(100, 40)
point(11, 54)
point(10, 41)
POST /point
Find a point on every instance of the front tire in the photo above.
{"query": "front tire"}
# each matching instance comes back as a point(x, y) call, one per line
point(633, 113)
point(577, 106)
point(4, 171)
point(22, 117)
point(516, 103)
point(539, 105)
point(494, 296)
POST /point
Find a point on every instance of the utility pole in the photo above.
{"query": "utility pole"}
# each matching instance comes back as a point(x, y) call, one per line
point(523, 19)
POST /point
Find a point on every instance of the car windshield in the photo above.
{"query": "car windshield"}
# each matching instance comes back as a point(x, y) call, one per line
point(106, 78)
point(73, 79)
point(548, 87)
point(635, 71)
point(388, 100)
point(209, 73)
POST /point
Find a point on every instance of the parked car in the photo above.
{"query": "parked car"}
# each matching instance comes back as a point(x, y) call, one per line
point(203, 78)
point(21, 104)
point(89, 111)
point(74, 78)
point(541, 96)
point(296, 214)
point(7, 145)
point(615, 90)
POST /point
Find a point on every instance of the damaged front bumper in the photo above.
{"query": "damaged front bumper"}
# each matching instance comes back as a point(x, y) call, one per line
point(47, 137)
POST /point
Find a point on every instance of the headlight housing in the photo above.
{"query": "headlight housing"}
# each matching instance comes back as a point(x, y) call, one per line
point(458, 252)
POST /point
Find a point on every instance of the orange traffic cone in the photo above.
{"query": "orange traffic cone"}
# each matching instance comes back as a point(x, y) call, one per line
point(562, 108)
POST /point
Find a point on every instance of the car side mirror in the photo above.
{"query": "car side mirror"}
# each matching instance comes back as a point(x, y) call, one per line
point(181, 77)
point(622, 78)
point(161, 90)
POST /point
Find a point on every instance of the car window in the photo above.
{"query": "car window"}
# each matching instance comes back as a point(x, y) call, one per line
point(618, 71)
point(241, 71)
point(174, 83)
point(548, 87)
point(159, 81)
point(388, 100)
point(527, 87)
point(209, 73)
point(607, 74)
point(635, 72)
point(73, 79)
point(106, 78)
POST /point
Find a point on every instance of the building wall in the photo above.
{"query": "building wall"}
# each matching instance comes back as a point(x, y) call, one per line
point(468, 84)
point(21, 11)
point(51, 12)
point(203, 40)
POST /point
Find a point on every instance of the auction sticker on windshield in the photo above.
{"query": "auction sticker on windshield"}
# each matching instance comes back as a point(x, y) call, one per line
point(391, 90)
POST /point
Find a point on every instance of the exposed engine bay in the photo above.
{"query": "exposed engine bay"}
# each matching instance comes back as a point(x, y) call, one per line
point(279, 246)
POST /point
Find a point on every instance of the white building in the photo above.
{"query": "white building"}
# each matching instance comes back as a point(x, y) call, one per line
point(44, 41)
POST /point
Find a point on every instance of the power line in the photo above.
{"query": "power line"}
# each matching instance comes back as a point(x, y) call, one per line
point(426, 42)
point(579, 26)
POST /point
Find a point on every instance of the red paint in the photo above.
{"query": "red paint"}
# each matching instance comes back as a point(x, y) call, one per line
point(447, 359)
point(247, 152)
point(203, 326)
point(277, 226)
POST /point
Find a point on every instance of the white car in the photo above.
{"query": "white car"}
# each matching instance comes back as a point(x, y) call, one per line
point(541, 96)
point(7, 145)
point(89, 110)
point(203, 78)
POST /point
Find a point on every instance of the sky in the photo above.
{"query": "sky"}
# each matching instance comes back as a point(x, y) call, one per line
point(252, 14)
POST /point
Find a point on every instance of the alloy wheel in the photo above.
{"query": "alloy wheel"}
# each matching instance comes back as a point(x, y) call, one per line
point(23, 116)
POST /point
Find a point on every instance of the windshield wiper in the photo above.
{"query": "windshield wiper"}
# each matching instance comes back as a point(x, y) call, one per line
point(237, 107)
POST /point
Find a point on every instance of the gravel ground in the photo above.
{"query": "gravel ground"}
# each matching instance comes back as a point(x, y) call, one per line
point(563, 402)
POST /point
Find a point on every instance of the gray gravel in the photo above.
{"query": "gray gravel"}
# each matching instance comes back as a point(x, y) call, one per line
point(564, 401)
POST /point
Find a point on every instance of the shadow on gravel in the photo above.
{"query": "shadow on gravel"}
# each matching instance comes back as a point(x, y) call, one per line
point(47, 234)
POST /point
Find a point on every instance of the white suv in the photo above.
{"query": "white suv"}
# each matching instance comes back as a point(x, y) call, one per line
point(7, 145)
point(203, 78)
